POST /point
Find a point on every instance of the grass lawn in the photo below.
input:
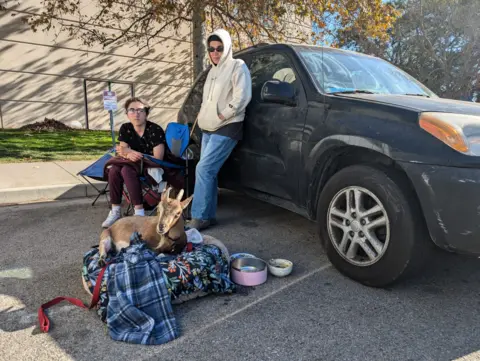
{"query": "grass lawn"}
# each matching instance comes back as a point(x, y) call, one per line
point(31, 146)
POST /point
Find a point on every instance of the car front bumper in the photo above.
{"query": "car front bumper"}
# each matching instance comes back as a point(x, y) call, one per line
point(450, 200)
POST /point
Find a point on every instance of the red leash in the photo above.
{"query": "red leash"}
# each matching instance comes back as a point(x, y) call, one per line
point(42, 317)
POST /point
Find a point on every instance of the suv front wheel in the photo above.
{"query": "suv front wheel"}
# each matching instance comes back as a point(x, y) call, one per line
point(371, 226)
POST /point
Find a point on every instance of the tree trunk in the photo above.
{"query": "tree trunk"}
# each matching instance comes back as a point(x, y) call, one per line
point(198, 38)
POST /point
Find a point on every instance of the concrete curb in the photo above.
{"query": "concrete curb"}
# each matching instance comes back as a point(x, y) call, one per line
point(48, 193)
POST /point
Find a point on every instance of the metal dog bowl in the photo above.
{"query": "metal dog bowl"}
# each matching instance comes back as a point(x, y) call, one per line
point(234, 256)
point(249, 271)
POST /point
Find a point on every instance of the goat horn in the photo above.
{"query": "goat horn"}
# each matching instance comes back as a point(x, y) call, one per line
point(180, 195)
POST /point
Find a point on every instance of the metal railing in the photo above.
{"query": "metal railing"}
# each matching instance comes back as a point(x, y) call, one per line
point(109, 83)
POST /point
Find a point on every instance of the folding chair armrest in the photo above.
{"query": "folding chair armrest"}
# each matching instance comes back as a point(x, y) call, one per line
point(159, 162)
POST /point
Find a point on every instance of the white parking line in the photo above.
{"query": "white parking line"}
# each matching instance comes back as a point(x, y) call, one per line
point(240, 310)
point(261, 299)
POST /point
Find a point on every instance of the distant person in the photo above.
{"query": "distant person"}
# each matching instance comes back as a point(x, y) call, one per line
point(136, 137)
point(226, 93)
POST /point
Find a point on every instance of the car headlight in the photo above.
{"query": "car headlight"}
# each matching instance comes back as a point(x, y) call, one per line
point(460, 132)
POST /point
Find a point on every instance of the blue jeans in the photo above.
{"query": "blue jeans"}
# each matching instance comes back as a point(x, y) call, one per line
point(214, 152)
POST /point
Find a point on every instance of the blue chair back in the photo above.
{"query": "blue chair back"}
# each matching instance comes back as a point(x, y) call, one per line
point(178, 137)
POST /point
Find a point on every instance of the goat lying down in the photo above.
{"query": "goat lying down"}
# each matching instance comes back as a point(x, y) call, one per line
point(163, 233)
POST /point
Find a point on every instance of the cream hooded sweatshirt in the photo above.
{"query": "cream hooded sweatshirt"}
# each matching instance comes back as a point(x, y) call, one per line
point(227, 89)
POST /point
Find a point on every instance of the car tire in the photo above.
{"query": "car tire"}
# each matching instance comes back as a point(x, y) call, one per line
point(371, 253)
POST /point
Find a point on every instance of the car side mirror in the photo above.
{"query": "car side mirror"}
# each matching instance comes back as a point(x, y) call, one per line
point(280, 92)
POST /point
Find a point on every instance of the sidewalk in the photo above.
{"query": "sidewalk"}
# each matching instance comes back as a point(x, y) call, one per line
point(44, 181)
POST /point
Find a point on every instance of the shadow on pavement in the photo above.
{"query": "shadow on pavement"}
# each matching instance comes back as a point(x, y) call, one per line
point(319, 316)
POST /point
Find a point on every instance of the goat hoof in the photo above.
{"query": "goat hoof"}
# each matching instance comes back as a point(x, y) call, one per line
point(101, 262)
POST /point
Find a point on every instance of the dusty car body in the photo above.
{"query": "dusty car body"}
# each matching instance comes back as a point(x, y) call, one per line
point(336, 135)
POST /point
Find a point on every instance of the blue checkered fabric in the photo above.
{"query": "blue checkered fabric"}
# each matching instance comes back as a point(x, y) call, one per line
point(139, 308)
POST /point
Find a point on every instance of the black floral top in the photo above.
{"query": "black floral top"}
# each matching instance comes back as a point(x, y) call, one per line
point(152, 136)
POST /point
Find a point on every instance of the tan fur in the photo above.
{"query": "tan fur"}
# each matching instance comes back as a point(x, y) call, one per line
point(163, 233)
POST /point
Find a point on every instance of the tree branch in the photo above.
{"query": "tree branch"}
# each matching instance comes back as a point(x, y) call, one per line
point(123, 32)
point(149, 37)
point(235, 21)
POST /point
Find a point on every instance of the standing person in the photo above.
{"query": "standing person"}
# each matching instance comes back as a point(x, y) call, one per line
point(226, 93)
point(136, 137)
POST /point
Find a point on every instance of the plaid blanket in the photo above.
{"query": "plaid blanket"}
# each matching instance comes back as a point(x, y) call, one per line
point(139, 308)
point(203, 269)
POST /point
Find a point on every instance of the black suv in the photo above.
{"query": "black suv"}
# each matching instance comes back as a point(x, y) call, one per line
point(380, 162)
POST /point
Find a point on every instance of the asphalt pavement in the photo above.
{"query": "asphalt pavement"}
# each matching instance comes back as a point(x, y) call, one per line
point(313, 314)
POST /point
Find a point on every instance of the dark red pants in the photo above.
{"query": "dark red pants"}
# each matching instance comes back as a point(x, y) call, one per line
point(117, 176)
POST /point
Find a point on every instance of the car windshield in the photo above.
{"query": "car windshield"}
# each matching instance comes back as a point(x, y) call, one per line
point(346, 72)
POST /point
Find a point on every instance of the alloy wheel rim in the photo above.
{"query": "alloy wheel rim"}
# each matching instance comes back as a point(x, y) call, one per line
point(358, 226)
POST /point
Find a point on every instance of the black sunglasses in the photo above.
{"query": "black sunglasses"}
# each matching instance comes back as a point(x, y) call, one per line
point(219, 49)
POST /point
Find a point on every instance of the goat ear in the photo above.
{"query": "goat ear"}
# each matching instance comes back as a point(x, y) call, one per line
point(180, 195)
point(186, 202)
point(167, 192)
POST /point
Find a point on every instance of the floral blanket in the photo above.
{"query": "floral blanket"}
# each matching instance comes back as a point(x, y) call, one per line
point(203, 269)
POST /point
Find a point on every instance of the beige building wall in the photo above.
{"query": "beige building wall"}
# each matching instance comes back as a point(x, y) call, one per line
point(43, 76)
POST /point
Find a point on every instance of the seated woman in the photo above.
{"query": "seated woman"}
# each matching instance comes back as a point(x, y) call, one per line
point(136, 137)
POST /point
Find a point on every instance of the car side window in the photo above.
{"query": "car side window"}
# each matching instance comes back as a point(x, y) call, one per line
point(270, 66)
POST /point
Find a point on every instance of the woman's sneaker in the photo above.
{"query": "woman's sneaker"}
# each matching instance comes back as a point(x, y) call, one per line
point(111, 219)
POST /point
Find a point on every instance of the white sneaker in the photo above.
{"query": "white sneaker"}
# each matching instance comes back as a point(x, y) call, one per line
point(111, 219)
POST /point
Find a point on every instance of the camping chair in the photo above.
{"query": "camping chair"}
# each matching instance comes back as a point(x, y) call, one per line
point(95, 171)
point(178, 138)
point(175, 163)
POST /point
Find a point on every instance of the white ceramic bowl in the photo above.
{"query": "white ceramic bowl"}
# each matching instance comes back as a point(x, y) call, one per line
point(280, 267)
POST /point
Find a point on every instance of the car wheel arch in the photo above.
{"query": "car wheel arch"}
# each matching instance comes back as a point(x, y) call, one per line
point(392, 245)
point(340, 157)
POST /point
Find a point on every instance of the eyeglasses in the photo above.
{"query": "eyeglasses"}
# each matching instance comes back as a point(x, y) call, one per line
point(139, 110)
point(219, 49)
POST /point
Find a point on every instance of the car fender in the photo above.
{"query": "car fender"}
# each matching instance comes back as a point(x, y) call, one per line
point(324, 152)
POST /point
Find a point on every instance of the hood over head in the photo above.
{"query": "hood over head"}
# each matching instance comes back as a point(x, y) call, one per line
point(227, 46)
